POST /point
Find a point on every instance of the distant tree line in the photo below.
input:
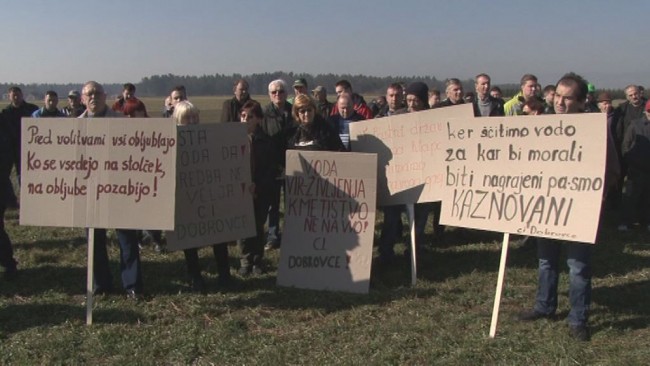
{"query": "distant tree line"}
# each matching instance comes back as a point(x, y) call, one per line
point(220, 84)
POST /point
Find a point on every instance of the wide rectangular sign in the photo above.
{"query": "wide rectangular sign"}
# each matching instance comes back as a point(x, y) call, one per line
point(98, 172)
point(528, 175)
point(214, 202)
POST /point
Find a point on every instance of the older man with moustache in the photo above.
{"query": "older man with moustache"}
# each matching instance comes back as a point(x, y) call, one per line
point(94, 98)
point(231, 108)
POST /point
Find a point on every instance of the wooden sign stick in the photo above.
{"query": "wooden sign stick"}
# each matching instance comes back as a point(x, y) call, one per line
point(497, 296)
point(89, 276)
point(410, 209)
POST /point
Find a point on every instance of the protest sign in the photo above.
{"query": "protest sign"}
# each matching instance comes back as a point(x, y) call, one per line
point(409, 152)
point(214, 203)
point(537, 175)
point(329, 221)
point(104, 173)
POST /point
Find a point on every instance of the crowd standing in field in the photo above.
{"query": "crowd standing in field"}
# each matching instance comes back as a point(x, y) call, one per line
point(307, 122)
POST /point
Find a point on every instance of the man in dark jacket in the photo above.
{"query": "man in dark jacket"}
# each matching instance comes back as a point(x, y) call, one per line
point(232, 107)
point(276, 123)
point(13, 113)
point(264, 173)
point(6, 158)
point(636, 152)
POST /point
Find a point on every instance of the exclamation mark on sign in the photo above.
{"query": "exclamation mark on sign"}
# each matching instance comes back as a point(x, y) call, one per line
point(155, 186)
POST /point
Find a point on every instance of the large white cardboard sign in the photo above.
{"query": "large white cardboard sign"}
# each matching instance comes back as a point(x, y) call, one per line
point(329, 221)
point(528, 175)
point(98, 172)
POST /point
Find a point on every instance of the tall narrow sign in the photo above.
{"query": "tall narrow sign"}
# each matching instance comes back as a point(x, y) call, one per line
point(329, 221)
point(214, 203)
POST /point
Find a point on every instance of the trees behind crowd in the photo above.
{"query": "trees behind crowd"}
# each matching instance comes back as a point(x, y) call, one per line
point(220, 84)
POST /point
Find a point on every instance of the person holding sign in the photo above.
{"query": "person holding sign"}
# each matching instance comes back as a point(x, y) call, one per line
point(570, 96)
point(94, 98)
point(263, 172)
point(312, 132)
point(185, 113)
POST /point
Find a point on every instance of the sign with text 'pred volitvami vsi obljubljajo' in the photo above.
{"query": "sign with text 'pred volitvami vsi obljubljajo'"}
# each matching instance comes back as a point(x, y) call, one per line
point(409, 152)
point(329, 221)
point(528, 175)
point(98, 172)
point(214, 203)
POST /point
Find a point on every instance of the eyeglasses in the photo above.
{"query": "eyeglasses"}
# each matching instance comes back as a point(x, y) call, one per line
point(305, 110)
point(279, 91)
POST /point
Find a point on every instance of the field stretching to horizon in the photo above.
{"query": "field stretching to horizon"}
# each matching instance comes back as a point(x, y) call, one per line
point(443, 319)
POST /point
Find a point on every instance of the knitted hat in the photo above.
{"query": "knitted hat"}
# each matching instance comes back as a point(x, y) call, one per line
point(420, 90)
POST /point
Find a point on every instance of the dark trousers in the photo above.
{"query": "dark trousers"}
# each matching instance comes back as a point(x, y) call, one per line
point(252, 249)
point(6, 249)
point(636, 198)
point(220, 255)
point(130, 266)
point(274, 211)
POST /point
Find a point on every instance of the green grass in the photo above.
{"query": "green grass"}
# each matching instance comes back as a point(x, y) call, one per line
point(443, 319)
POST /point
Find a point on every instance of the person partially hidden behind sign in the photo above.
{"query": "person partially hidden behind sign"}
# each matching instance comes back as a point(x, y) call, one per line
point(94, 98)
point(570, 96)
point(263, 172)
point(185, 113)
point(312, 131)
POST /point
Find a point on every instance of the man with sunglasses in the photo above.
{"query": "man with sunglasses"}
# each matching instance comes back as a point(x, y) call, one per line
point(277, 120)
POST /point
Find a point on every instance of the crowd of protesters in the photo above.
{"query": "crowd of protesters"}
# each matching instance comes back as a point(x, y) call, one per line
point(309, 121)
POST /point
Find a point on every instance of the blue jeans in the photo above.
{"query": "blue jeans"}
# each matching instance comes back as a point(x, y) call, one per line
point(579, 263)
point(130, 265)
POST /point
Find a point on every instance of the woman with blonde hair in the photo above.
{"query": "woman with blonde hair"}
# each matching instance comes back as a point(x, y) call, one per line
point(185, 113)
point(311, 131)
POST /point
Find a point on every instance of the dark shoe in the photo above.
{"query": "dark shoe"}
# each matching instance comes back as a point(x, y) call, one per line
point(97, 291)
point(132, 295)
point(579, 332)
point(257, 271)
point(198, 284)
point(159, 248)
point(272, 244)
point(224, 280)
point(532, 315)
point(245, 271)
point(10, 274)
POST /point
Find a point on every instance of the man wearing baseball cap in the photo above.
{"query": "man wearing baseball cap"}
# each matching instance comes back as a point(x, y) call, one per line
point(74, 107)
point(299, 87)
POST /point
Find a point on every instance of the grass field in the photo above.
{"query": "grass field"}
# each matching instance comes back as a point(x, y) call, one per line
point(443, 319)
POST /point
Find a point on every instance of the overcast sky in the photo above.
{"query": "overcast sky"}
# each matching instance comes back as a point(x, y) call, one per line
point(120, 40)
